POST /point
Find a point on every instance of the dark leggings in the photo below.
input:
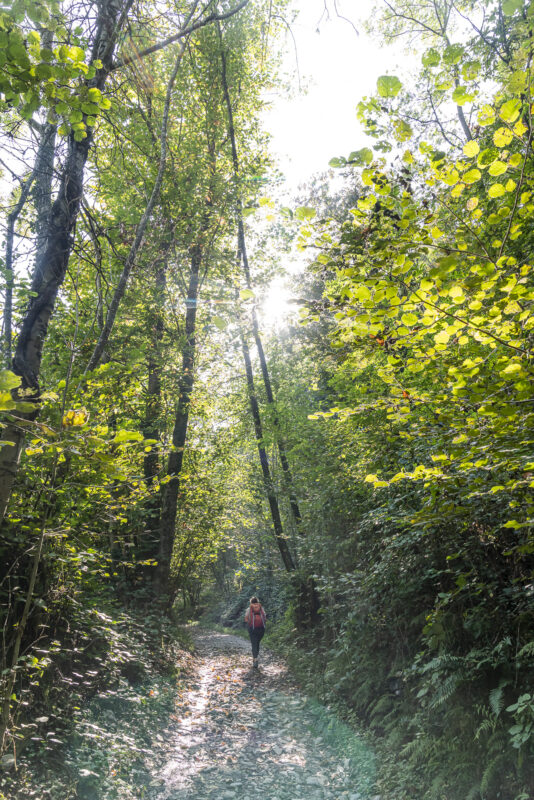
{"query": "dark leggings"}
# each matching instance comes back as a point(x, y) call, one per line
point(256, 635)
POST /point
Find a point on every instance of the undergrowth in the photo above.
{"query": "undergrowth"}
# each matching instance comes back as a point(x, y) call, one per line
point(442, 750)
point(96, 739)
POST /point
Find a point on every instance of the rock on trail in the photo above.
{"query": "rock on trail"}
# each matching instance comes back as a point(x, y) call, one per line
point(244, 734)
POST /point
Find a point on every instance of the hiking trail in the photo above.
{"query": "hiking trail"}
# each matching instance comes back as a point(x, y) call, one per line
point(240, 734)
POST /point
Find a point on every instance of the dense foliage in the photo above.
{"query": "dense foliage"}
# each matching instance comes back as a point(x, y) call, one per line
point(425, 394)
point(368, 470)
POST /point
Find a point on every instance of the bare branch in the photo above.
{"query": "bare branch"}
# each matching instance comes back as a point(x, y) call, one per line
point(288, 26)
point(346, 19)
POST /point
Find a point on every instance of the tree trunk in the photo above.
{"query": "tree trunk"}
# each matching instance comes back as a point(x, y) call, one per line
point(42, 188)
point(281, 541)
point(140, 232)
point(41, 180)
point(284, 461)
point(10, 268)
point(288, 478)
point(52, 262)
point(152, 420)
point(169, 500)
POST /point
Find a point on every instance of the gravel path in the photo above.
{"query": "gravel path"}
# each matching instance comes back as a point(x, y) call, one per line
point(240, 734)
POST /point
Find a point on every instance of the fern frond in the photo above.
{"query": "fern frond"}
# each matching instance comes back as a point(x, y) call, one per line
point(486, 726)
point(491, 771)
point(496, 697)
point(383, 705)
point(445, 692)
point(526, 650)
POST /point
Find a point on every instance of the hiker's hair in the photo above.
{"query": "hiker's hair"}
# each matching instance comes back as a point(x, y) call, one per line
point(254, 599)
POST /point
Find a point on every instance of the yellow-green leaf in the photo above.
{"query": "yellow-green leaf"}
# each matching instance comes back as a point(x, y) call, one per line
point(497, 168)
point(471, 149)
point(472, 176)
point(497, 190)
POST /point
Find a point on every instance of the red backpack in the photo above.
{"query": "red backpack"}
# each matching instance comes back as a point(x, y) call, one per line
point(257, 616)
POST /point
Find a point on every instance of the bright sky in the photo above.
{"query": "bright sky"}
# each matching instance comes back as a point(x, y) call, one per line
point(338, 67)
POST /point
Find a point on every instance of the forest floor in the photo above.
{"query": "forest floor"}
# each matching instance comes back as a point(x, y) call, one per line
point(242, 733)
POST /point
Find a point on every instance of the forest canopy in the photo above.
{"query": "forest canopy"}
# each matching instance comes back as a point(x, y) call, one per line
point(368, 468)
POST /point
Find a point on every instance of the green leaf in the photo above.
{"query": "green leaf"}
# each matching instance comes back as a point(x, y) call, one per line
point(304, 212)
point(486, 116)
point(512, 369)
point(431, 58)
point(453, 54)
point(90, 108)
point(497, 168)
point(496, 190)
point(362, 293)
point(43, 71)
point(219, 323)
point(461, 96)
point(76, 53)
point(509, 111)
point(442, 337)
point(127, 436)
point(509, 7)
point(472, 176)
point(471, 149)
point(246, 294)
point(471, 69)
point(487, 157)
point(336, 163)
point(360, 157)
point(388, 86)
point(8, 380)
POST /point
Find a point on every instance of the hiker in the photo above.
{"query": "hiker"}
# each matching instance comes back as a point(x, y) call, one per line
point(255, 618)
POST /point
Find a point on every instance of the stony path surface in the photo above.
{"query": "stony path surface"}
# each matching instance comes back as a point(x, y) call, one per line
point(240, 734)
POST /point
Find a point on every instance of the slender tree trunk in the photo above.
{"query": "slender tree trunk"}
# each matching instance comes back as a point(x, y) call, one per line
point(286, 470)
point(281, 541)
point(169, 500)
point(41, 181)
point(284, 461)
point(42, 188)
point(52, 262)
point(10, 269)
point(152, 421)
point(141, 228)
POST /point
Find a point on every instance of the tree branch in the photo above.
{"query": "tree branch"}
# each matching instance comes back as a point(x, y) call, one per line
point(185, 31)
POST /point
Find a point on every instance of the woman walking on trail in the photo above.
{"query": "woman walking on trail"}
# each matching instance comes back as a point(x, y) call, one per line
point(255, 618)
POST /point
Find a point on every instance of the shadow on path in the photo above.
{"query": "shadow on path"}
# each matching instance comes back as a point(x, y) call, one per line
point(246, 734)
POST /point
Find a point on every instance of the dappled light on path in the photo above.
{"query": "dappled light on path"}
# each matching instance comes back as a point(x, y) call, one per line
point(240, 733)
